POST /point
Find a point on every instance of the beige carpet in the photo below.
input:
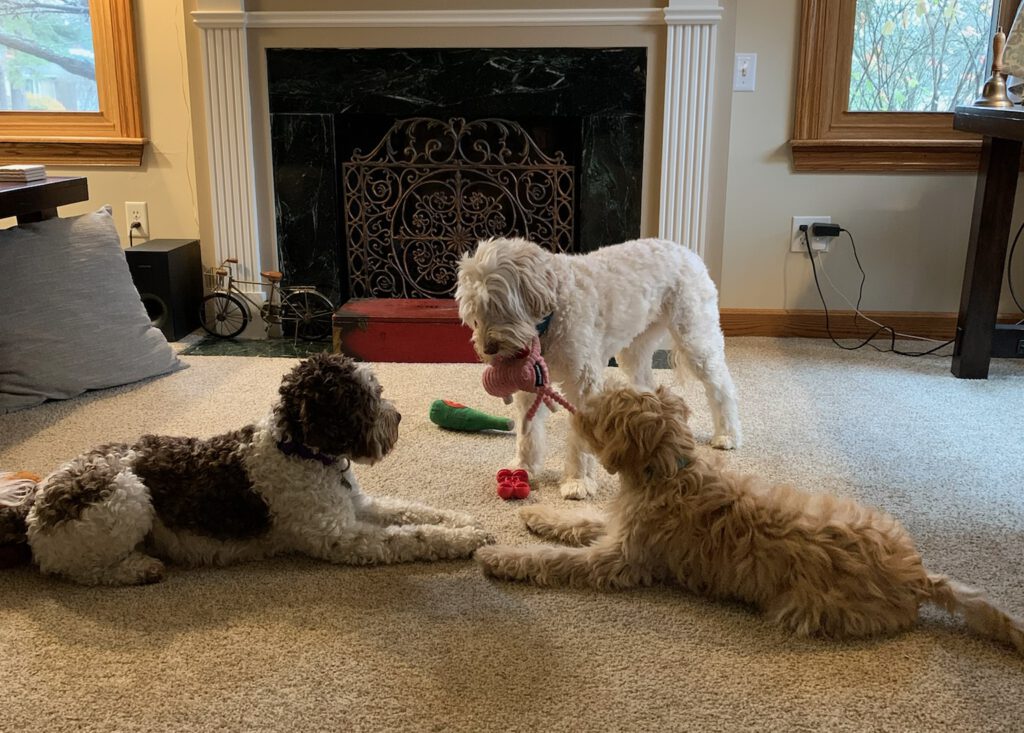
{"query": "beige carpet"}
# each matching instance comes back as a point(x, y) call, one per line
point(298, 645)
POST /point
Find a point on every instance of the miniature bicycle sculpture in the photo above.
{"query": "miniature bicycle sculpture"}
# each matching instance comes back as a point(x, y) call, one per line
point(301, 311)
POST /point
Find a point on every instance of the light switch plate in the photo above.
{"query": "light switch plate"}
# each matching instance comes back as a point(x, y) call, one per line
point(744, 77)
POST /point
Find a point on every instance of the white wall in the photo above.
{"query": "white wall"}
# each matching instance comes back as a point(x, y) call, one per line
point(911, 230)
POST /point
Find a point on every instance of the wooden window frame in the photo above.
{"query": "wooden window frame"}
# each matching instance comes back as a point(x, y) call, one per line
point(112, 136)
point(826, 137)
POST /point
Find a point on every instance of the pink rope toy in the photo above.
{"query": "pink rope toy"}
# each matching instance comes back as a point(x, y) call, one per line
point(526, 372)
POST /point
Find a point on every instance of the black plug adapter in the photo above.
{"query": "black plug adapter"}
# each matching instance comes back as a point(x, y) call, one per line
point(825, 230)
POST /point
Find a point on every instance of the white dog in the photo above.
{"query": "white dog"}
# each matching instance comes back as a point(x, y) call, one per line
point(617, 301)
point(112, 516)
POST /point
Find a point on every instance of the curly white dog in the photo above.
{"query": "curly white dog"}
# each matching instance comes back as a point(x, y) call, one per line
point(617, 301)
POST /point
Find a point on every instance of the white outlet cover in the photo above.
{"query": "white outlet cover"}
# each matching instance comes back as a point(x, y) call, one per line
point(744, 75)
point(137, 210)
point(796, 237)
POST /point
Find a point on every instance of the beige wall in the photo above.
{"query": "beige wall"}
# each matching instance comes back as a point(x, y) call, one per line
point(911, 230)
point(167, 178)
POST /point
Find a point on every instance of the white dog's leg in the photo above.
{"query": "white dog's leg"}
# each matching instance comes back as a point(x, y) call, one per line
point(636, 360)
point(580, 465)
point(578, 527)
point(386, 510)
point(704, 354)
point(370, 544)
point(530, 434)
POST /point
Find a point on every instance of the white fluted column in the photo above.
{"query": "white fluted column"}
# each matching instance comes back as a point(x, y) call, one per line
point(689, 98)
point(229, 139)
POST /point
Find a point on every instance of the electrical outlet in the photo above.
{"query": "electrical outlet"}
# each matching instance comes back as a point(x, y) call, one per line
point(796, 237)
point(136, 211)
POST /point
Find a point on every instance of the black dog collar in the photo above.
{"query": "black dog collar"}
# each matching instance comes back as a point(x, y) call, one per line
point(293, 448)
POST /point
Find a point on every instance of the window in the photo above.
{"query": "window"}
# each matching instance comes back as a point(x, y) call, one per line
point(878, 80)
point(68, 83)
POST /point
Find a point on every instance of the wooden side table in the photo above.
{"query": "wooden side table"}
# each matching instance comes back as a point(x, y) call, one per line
point(38, 200)
point(978, 338)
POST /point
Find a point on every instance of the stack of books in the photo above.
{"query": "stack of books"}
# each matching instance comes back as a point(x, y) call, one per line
point(22, 173)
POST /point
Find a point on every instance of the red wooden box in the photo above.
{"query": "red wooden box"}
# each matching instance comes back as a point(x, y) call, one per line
point(402, 330)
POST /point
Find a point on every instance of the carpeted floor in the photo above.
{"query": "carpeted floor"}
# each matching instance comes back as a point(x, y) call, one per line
point(298, 645)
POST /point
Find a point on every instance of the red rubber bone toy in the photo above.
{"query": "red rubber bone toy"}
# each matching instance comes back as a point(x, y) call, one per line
point(524, 372)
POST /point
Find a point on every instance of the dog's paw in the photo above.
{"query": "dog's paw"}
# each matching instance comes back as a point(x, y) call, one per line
point(489, 559)
point(578, 488)
point(462, 542)
point(152, 573)
point(534, 517)
point(478, 536)
point(459, 519)
point(725, 442)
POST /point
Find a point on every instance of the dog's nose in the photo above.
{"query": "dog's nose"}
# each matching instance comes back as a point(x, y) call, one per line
point(490, 348)
point(399, 416)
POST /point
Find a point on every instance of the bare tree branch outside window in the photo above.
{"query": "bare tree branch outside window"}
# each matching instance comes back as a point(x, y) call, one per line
point(919, 55)
point(46, 56)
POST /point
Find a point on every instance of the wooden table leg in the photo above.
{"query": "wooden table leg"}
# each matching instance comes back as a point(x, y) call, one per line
point(34, 216)
point(986, 256)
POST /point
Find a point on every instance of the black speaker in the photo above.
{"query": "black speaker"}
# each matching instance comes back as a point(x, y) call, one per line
point(168, 273)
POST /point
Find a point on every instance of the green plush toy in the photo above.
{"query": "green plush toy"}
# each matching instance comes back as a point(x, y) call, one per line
point(453, 416)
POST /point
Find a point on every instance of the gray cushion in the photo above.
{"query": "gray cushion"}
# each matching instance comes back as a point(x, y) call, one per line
point(70, 317)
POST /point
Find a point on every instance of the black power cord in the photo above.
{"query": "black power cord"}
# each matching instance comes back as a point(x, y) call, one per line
point(131, 231)
point(868, 341)
point(1009, 268)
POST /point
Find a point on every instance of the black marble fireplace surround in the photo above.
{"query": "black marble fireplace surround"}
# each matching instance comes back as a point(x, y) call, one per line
point(327, 103)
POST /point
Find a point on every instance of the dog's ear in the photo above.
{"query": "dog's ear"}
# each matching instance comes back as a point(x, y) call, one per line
point(642, 431)
point(602, 422)
point(676, 448)
point(537, 282)
point(671, 402)
point(326, 404)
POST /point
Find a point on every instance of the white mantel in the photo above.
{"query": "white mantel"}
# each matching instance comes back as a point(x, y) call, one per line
point(691, 28)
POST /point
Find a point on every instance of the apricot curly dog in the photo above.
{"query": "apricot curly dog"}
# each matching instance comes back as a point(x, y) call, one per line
point(815, 564)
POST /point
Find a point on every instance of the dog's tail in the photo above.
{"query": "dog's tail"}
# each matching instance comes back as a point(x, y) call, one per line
point(979, 613)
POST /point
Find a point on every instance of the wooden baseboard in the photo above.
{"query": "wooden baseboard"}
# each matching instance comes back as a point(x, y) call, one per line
point(811, 323)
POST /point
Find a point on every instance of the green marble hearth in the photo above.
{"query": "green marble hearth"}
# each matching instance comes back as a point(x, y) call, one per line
point(282, 348)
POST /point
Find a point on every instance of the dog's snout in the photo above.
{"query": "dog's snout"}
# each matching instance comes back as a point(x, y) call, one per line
point(398, 416)
point(491, 348)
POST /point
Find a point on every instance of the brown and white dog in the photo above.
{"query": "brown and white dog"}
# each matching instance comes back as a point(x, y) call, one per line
point(285, 485)
point(815, 564)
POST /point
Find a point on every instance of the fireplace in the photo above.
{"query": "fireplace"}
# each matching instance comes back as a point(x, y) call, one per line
point(389, 164)
point(276, 82)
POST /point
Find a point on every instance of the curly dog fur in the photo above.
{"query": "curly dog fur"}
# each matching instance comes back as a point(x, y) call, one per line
point(815, 564)
point(114, 515)
point(616, 301)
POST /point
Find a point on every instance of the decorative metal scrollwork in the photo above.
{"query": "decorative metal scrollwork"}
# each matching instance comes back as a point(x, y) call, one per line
point(431, 189)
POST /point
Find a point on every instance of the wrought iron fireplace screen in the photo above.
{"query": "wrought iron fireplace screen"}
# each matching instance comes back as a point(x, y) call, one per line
point(430, 189)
